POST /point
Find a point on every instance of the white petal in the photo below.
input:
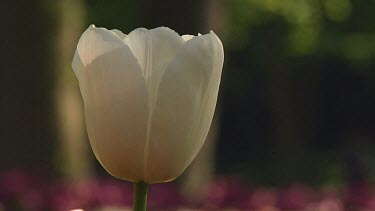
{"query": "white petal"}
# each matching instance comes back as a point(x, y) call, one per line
point(115, 100)
point(154, 49)
point(119, 33)
point(185, 107)
point(187, 37)
point(77, 65)
point(95, 42)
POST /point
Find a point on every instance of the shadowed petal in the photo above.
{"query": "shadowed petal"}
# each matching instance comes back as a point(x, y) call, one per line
point(115, 99)
point(185, 107)
point(154, 49)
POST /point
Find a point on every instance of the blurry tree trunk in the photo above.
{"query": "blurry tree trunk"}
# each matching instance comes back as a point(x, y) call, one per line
point(199, 16)
point(26, 129)
point(201, 171)
point(74, 147)
point(293, 116)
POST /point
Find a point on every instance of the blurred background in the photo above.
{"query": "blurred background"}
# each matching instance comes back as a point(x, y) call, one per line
point(293, 130)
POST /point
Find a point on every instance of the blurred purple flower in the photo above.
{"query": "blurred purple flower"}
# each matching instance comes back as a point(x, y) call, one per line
point(164, 196)
point(33, 191)
point(296, 197)
point(357, 194)
point(28, 189)
point(261, 198)
point(224, 192)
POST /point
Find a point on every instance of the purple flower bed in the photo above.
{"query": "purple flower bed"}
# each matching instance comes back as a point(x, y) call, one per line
point(21, 190)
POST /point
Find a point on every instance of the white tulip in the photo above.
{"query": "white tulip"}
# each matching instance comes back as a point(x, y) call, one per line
point(149, 98)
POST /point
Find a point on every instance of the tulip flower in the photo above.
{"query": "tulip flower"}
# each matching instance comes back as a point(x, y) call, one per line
point(149, 98)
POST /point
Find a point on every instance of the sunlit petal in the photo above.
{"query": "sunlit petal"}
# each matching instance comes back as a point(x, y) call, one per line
point(187, 37)
point(95, 42)
point(119, 33)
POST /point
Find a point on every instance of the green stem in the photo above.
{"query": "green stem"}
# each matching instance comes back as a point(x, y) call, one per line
point(140, 196)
